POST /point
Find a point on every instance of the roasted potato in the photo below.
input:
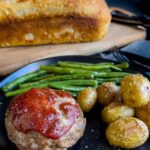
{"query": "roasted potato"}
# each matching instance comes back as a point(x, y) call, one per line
point(87, 99)
point(108, 92)
point(116, 110)
point(135, 90)
point(127, 132)
point(143, 113)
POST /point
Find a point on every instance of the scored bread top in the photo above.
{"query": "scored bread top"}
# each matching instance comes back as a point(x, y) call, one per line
point(19, 10)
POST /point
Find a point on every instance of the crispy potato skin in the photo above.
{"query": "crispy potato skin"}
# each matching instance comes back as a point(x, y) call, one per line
point(115, 111)
point(87, 99)
point(143, 113)
point(135, 90)
point(127, 132)
point(107, 92)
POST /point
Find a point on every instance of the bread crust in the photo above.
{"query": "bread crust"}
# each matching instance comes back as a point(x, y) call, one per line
point(31, 22)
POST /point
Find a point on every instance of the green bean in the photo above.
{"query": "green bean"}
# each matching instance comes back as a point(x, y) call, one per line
point(64, 85)
point(67, 87)
point(42, 77)
point(58, 78)
point(31, 84)
point(22, 79)
point(103, 70)
point(16, 92)
point(87, 67)
point(123, 65)
point(101, 80)
point(63, 70)
point(78, 82)
point(94, 67)
point(22, 90)
point(71, 89)
point(88, 64)
point(111, 74)
point(115, 68)
point(103, 63)
point(92, 83)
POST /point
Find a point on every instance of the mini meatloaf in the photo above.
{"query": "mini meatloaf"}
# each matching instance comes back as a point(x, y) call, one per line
point(44, 119)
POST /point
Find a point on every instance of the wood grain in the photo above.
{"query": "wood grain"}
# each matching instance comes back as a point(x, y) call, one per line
point(13, 58)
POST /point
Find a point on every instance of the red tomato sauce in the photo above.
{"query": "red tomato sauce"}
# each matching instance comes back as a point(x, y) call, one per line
point(37, 110)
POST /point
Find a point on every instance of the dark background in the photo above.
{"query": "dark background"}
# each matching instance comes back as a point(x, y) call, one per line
point(136, 6)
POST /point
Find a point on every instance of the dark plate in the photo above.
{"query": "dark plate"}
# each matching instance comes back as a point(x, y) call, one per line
point(94, 136)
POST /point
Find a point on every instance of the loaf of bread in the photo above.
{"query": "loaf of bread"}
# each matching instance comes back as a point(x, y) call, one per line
point(32, 22)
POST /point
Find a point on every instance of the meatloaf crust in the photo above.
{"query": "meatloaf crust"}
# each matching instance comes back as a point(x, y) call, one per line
point(31, 22)
point(35, 141)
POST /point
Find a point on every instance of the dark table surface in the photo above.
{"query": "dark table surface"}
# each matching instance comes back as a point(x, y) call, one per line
point(138, 7)
point(131, 5)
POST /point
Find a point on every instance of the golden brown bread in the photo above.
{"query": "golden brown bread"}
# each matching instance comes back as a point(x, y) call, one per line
point(29, 22)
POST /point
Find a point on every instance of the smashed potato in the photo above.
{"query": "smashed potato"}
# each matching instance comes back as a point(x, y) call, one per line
point(107, 92)
point(87, 99)
point(115, 111)
point(143, 113)
point(135, 90)
point(127, 132)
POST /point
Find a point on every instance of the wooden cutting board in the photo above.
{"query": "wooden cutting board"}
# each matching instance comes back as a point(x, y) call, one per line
point(15, 57)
